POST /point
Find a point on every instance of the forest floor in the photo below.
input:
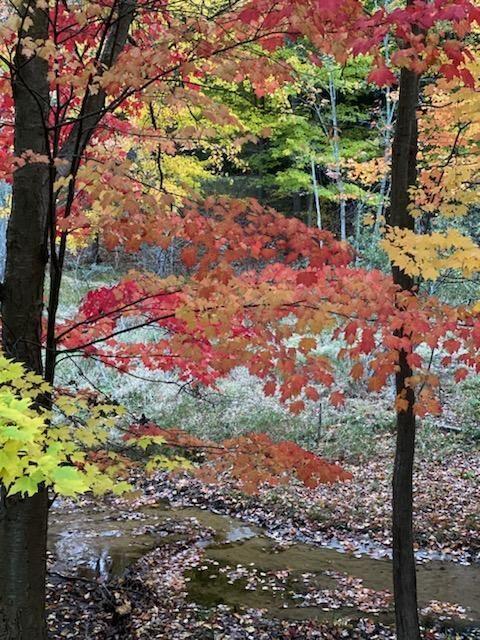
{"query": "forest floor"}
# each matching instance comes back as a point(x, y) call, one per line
point(354, 516)
point(152, 600)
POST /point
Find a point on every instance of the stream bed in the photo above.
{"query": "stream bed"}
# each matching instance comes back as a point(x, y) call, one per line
point(242, 567)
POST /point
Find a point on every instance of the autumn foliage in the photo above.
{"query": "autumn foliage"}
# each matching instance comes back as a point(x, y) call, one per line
point(257, 289)
point(97, 100)
point(248, 461)
point(260, 291)
point(254, 459)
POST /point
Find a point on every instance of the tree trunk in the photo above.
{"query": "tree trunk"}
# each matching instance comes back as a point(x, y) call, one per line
point(315, 193)
point(23, 533)
point(23, 522)
point(404, 171)
point(336, 156)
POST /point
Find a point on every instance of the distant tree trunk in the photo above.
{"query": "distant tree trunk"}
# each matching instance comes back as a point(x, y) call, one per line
point(3, 246)
point(389, 114)
point(358, 228)
point(335, 141)
point(309, 209)
point(95, 250)
point(319, 423)
point(404, 173)
point(23, 522)
point(296, 204)
point(315, 193)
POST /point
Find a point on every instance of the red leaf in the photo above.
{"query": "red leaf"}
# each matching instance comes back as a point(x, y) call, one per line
point(382, 76)
point(468, 79)
point(189, 256)
point(414, 360)
point(307, 278)
point(312, 393)
point(461, 374)
point(296, 407)
point(357, 371)
point(452, 345)
point(337, 399)
point(450, 71)
point(269, 388)
point(249, 15)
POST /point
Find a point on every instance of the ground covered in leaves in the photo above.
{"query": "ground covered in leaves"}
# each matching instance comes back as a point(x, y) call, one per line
point(152, 600)
point(150, 603)
point(355, 516)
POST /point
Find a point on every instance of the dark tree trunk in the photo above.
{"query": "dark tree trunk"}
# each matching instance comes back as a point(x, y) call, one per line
point(23, 522)
point(94, 105)
point(23, 533)
point(404, 171)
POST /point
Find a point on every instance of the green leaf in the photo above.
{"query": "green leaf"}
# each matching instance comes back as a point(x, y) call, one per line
point(25, 485)
point(69, 481)
point(121, 487)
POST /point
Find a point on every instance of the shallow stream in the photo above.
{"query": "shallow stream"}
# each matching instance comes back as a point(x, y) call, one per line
point(243, 566)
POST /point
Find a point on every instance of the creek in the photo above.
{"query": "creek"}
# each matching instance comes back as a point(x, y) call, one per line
point(102, 544)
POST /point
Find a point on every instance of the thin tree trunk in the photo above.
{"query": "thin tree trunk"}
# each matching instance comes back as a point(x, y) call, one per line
point(93, 108)
point(309, 209)
point(23, 522)
point(358, 226)
point(315, 193)
point(72, 152)
point(404, 155)
point(336, 156)
point(387, 143)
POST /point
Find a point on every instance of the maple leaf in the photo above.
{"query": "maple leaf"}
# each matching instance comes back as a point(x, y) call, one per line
point(356, 371)
point(414, 360)
point(452, 345)
point(270, 388)
point(337, 398)
point(312, 394)
point(189, 256)
point(449, 70)
point(467, 77)
point(296, 407)
point(382, 76)
point(460, 374)
point(249, 15)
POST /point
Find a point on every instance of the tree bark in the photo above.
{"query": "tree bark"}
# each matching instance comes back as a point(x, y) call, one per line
point(93, 108)
point(23, 522)
point(404, 173)
point(23, 534)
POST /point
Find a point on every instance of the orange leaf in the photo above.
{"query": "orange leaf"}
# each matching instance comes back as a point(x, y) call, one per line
point(337, 399)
